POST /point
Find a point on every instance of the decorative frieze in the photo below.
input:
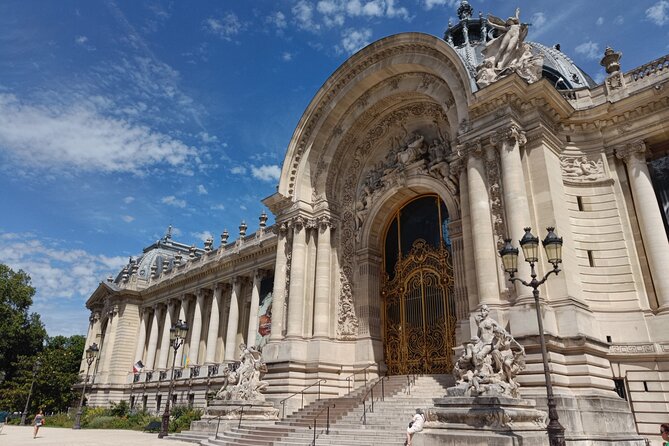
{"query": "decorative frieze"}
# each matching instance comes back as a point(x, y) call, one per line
point(632, 349)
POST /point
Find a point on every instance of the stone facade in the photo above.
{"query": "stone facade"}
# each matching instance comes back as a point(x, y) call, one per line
point(402, 118)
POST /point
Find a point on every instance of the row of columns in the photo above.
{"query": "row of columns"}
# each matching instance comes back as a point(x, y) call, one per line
point(294, 265)
point(157, 326)
point(477, 222)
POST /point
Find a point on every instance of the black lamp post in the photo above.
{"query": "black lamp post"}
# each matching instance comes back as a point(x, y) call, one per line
point(553, 247)
point(36, 368)
point(177, 337)
point(91, 355)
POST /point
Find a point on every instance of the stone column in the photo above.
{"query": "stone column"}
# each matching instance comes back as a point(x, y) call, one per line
point(323, 268)
point(279, 288)
point(165, 341)
point(516, 205)
point(196, 330)
point(297, 276)
point(649, 217)
point(482, 232)
point(233, 321)
point(109, 340)
point(153, 340)
point(141, 338)
point(253, 312)
point(183, 316)
point(212, 335)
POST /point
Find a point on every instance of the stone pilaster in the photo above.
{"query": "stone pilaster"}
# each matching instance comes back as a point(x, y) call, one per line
point(297, 276)
point(183, 316)
point(322, 307)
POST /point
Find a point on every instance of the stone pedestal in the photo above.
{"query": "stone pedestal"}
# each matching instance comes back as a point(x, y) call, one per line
point(483, 420)
point(222, 415)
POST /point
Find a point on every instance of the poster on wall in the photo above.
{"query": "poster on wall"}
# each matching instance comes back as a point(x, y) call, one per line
point(265, 312)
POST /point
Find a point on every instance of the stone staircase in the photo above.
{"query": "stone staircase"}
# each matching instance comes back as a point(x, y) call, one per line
point(352, 423)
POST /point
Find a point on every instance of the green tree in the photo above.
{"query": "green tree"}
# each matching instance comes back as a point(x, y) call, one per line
point(58, 372)
point(22, 332)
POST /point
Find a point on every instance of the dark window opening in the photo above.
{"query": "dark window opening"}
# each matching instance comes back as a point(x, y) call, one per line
point(191, 400)
point(645, 386)
point(659, 172)
point(591, 260)
point(579, 201)
point(159, 400)
point(620, 387)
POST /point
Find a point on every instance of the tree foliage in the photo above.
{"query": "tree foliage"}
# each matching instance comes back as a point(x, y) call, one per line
point(22, 332)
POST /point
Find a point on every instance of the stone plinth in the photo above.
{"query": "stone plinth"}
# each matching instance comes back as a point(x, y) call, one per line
point(483, 420)
point(222, 415)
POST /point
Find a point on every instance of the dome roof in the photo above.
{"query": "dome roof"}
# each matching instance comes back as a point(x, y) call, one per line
point(469, 37)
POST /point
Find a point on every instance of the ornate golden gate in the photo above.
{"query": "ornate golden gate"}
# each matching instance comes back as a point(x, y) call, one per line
point(418, 312)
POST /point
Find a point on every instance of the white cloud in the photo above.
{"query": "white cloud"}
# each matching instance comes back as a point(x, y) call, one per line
point(57, 272)
point(82, 138)
point(128, 218)
point(266, 173)
point(538, 19)
point(238, 170)
point(354, 39)
point(203, 236)
point(589, 49)
point(619, 20)
point(599, 77)
point(207, 138)
point(201, 190)
point(278, 19)
point(600, 21)
point(658, 13)
point(287, 57)
point(303, 12)
point(80, 40)
point(429, 4)
point(218, 207)
point(226, 27)
point(171, 200)
point(128, 199)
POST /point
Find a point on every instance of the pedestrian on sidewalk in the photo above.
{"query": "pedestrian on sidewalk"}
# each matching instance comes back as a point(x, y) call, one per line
point(38, 422)
point(415, 425)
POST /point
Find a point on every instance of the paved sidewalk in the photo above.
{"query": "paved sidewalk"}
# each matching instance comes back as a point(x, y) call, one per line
point(55, 436)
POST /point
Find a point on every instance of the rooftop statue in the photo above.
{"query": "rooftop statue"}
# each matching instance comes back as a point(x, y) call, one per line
point(243, 383)
point(490, 361)
point(508, 53)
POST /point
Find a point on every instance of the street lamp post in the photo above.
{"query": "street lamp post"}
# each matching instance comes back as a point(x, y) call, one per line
point(36, 368)
point(91, 355)
point(177, 337)
point(553, 247)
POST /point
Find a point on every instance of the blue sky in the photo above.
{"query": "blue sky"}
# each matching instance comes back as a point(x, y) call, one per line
point(119, 118)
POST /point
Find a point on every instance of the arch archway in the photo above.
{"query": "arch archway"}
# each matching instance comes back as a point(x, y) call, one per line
point(417, 289)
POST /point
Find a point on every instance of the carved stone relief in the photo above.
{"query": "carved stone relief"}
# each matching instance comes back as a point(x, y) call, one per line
point(581, 169)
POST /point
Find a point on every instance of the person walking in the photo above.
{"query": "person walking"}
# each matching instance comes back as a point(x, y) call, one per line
point(415, 425)
point(664, 431)
point(38, 422)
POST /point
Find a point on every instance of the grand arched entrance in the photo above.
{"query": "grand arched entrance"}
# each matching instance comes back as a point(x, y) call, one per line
point(417, 289)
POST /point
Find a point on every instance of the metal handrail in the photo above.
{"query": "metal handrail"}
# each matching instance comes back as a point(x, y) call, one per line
point(352, 375)
point(301, 392)
point(327, 425)
point(241, 415)
point(371, 391)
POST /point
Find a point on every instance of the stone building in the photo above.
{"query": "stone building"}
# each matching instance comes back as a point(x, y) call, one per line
point(412, 163)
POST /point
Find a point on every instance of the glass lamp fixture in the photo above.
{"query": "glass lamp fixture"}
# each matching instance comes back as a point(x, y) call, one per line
point(530, 245)
point(509, 256)
point(553, 246)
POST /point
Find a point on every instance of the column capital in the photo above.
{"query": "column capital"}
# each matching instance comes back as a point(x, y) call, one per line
point(260, 273)
point(634, 150)
point(506, 134)
point(299, 223)
point(472, 148)
point(94, 317)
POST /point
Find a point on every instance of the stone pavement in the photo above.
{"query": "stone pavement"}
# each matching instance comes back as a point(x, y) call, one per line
point(55, 436)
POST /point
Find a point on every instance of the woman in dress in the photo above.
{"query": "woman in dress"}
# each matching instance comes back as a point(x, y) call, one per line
point(38, 422)
point(416, 425)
